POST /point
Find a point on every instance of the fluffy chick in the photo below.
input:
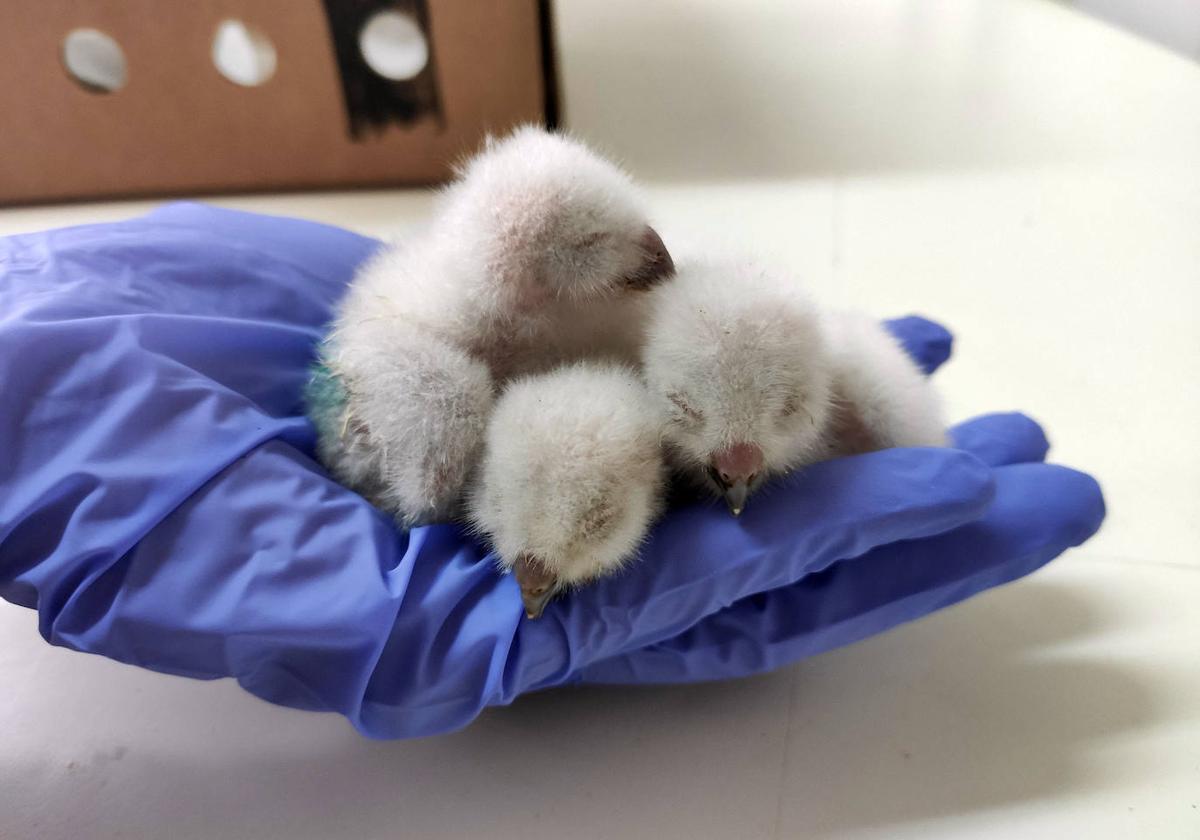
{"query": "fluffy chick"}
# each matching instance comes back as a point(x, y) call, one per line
point(571, 479)
point(753, 381)
point(537, 254)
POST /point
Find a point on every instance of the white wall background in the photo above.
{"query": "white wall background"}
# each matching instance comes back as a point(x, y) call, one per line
point(1173, 23)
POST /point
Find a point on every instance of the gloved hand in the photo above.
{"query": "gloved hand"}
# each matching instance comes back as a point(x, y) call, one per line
point(159, 505)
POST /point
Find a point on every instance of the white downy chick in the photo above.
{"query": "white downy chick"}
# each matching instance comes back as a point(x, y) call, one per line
point(539, 253)
point(571, 478)
point(754, 382)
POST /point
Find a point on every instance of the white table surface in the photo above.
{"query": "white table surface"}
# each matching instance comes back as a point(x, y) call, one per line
point(1027, 175)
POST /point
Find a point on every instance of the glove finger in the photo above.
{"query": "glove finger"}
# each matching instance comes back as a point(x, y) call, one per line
point(1039, 511)
point(701, 559)
point(927, 342)
point(1002, 439)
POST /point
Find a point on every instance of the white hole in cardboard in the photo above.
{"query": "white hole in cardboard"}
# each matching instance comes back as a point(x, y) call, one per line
point(393, 45)
point(243, 54)
point(94, 60)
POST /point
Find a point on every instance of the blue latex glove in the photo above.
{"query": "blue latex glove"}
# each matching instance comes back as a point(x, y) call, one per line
point(159, 504)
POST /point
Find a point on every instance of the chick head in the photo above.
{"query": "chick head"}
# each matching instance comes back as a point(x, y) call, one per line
point(572, 477)
point(735, 359)
point(553, 219)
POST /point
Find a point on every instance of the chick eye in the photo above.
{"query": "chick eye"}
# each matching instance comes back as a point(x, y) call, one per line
point(540, 590)
point(791, 406)
point(686, 409)
point(591, 240)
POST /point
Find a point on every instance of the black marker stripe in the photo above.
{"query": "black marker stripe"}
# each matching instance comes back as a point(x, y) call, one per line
point(373, 103)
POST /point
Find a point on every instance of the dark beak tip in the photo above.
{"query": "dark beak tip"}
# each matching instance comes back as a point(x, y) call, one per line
point(658, 265)
point(535, 605)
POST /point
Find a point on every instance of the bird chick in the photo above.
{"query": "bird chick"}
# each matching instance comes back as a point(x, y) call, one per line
point(538, 253)
point(571, 477)
point(753, 381)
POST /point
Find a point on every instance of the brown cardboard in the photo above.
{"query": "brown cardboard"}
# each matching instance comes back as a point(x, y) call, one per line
point(178, 126)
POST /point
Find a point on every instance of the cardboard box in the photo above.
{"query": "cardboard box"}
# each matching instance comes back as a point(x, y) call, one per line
point(323, 118)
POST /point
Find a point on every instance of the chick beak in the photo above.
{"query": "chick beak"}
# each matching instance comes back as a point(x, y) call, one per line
point(538, 584)
point(657, 265)
point(735, 497)
point(535, 602)
point(735, 472)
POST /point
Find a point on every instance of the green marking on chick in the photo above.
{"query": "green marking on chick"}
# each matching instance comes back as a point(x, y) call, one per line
point(326, 396)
